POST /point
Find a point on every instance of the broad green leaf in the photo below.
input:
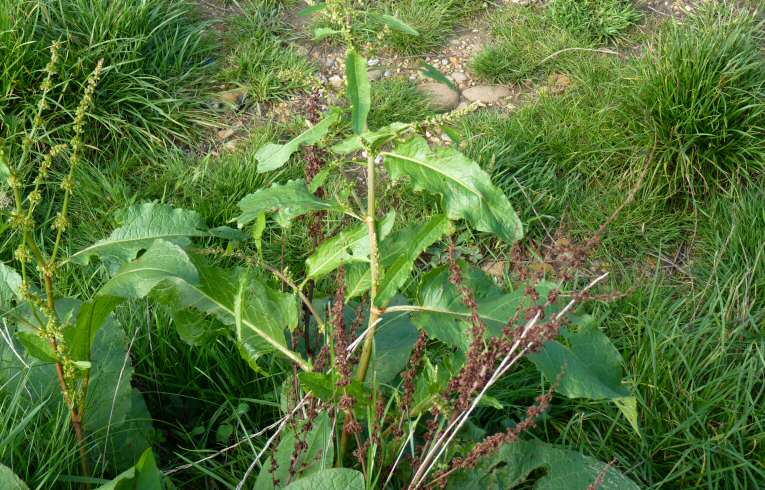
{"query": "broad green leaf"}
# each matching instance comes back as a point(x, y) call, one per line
point(91, 317)
point(374, 139)
point(145, 475)
point(162, 261)
point(9, 480)
point(288, 200)
point(591, 365)
point(312, 9)
point(10, 285)
point(113, 407)
point(359, 90)
point(443, 314)
point(36, 346)
point(117, 421)
point(177, 281)
point(561, 469)
point(431, 71)
point(466, 189)
point(316, 457)
point(394, 339)
point(139, 227)
point(331, 479)
point(348, 246)
point(396, 24)
point(398, 253)
point(273, 156)
point(321, 33)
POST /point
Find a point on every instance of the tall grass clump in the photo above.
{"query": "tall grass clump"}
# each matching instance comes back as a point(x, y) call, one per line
point(600, 20)
point(156, 66)
point(701, 96)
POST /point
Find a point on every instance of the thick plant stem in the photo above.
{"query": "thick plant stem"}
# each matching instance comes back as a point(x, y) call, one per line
point(76, 413)
point(374, 312)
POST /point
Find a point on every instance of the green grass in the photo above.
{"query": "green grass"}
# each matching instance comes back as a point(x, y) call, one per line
point(700, 94)
point(260, 59)
point(395, 99)
point(599, 20)
point(157, 65)
point(434, 20)
point(525, 39)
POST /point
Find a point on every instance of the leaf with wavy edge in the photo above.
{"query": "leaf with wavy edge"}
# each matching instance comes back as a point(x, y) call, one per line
point(185, 282)
point(140, 226)
point(467, 190)
point(288, 200)
point(398, 253)
point(348, 246)
point(273, 156)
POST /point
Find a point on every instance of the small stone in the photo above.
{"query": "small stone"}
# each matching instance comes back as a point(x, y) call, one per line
point(225, 134)
point(387, 73)
point(233, 97)
point(441, 97)
point(336, 81)
point(373, 62)
point(459, 77)
point(375, 75)
point(487, 94)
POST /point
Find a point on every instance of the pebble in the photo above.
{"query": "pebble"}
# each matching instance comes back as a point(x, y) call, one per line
point(373, 62)
point(375, 75)
point(487, 94)
point(441, 97)
point(459, 77)
point(336, 81)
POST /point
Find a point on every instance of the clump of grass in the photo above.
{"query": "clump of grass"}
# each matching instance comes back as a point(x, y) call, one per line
point(525, 39)
point(599, 20)
point(156, 66)
point(260, 60)
point(701, 96)
point(434, 20)
point(396, 99)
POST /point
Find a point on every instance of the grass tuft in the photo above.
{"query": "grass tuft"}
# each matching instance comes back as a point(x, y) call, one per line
point(701, 95)
point(599, 20)
point(157, 65)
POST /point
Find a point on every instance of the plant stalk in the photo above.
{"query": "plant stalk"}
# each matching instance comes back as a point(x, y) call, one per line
point(374, 311)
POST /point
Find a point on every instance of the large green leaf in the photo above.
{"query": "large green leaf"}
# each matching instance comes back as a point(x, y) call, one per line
point(115, 413)
point(288, 200)
point(316, 457)
point(182, 283)
point(10, 284)
point(398, 253)
point(359, 90)
point(394, 339)
point(145, 475)
point(273, 156)
point(331, 479)
point(563, 469)
point(348, 246)
point(591, 365)
point(395, 23)
point(140, 226)
point(9, 480)
point(163, 261)
point(443, 314)
point(466, 189)
point(92, 316)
